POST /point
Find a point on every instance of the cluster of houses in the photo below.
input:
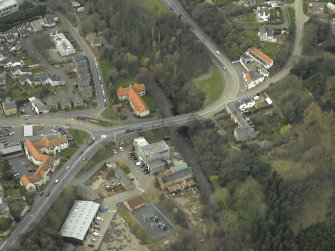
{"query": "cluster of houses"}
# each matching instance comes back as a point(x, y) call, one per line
point(256, 64)
point(134, 94)
point(43, 153)
point(80, 66)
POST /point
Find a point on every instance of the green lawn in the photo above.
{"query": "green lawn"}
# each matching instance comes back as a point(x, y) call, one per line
point(211, 84)
point(79, 136)
point(125, 82)
point(105, 67)
point(14, 193)
point(291, 14)
point(109, 113)
point(271, 49)
point(252, 34)
point(155, 6)
point(67, 153)
point(37, 70)
point(150, 103)
point(276, 16)
point(249, 17)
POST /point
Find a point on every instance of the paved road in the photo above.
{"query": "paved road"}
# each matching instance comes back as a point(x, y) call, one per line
point(231, 92)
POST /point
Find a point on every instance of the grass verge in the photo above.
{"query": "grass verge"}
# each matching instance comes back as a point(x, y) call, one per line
point(212, 84)
point(79, 136)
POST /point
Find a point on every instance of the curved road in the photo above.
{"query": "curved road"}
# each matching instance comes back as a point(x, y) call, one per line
point(231, 93)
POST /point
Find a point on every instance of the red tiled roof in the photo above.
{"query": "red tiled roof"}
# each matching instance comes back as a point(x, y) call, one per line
point(136, 100)
point(34, 149)
point(139, 87)
point(122, 91)
point(261, 54)
point(248, 78)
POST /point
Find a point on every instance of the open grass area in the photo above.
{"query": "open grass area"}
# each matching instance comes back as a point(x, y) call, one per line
point(14, 193)
point(67, 153)
point(251, 34)
point(212, 84)
point(249, 17)
point(156, 6)
point(110, 113)
point(125, 82)
point(289, 1)
point(105, 67)
point(137, 229)
point(291, 14)
point(79, 136)
point(150, 103)
point(276, 16)
point(271, 49)
point(37, 70)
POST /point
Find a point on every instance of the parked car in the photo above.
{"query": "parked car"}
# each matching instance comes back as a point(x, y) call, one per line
point(67, 168)
point(47, 194)
point(85, 158)
point(56, 181)
point(100, 218)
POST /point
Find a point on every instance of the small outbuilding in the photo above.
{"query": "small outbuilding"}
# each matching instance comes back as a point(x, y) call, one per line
point(134, 203)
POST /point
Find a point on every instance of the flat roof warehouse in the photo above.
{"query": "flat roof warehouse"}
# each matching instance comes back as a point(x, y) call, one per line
point(79, 220)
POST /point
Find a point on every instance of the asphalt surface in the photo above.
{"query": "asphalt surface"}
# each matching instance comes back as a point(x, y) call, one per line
point(232, 91)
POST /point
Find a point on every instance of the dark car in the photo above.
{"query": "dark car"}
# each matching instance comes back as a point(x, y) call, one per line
point(41, 193)
point(47, 194)
point(146, 171)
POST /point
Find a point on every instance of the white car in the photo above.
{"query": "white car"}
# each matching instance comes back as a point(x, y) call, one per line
point(123, 220)
point(96, 234)
point(218, 52)
point(99, 218)
point(56, 181)
point(121, 149)
point(67, 168)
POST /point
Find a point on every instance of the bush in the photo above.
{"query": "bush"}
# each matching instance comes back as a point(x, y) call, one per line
point(5, 223)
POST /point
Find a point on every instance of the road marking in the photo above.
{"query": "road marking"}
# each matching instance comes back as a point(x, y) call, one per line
point(3, 244)
point(140, 189)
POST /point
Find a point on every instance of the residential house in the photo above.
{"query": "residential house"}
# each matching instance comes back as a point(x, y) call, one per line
point(245, 104)
point(36, 152)
point(20, 70)
point(29, 79)
point(138, 105)
point(266, 34)
point(133, 203)
point(65, 103)
point(24, 30)
point(315, 9)
point(11, 35)
point(331, 6)
point(244, 130)
point(2, 38)
point(253, 78)
point(52, 104)
point(9, 107)
point(123, 178)
point(93, 39)
point(260, 57)
point(77, 101)
point(50, 20)
point(262, 14)
point(37, 24)
point(86, 91)
point(248, 3)
point(2, 79)
point(8, 7)
point(38, 106)
point(10, 61)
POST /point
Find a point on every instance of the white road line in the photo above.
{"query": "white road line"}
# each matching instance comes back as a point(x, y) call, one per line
point(3, 244)
point(140, 189)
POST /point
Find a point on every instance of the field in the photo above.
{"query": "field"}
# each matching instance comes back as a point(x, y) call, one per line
point(156, 6)
point(250, 17)
point(211, 83)
point(271, 49)
point(150, 103)
point(109, 113)
point(79, 136)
